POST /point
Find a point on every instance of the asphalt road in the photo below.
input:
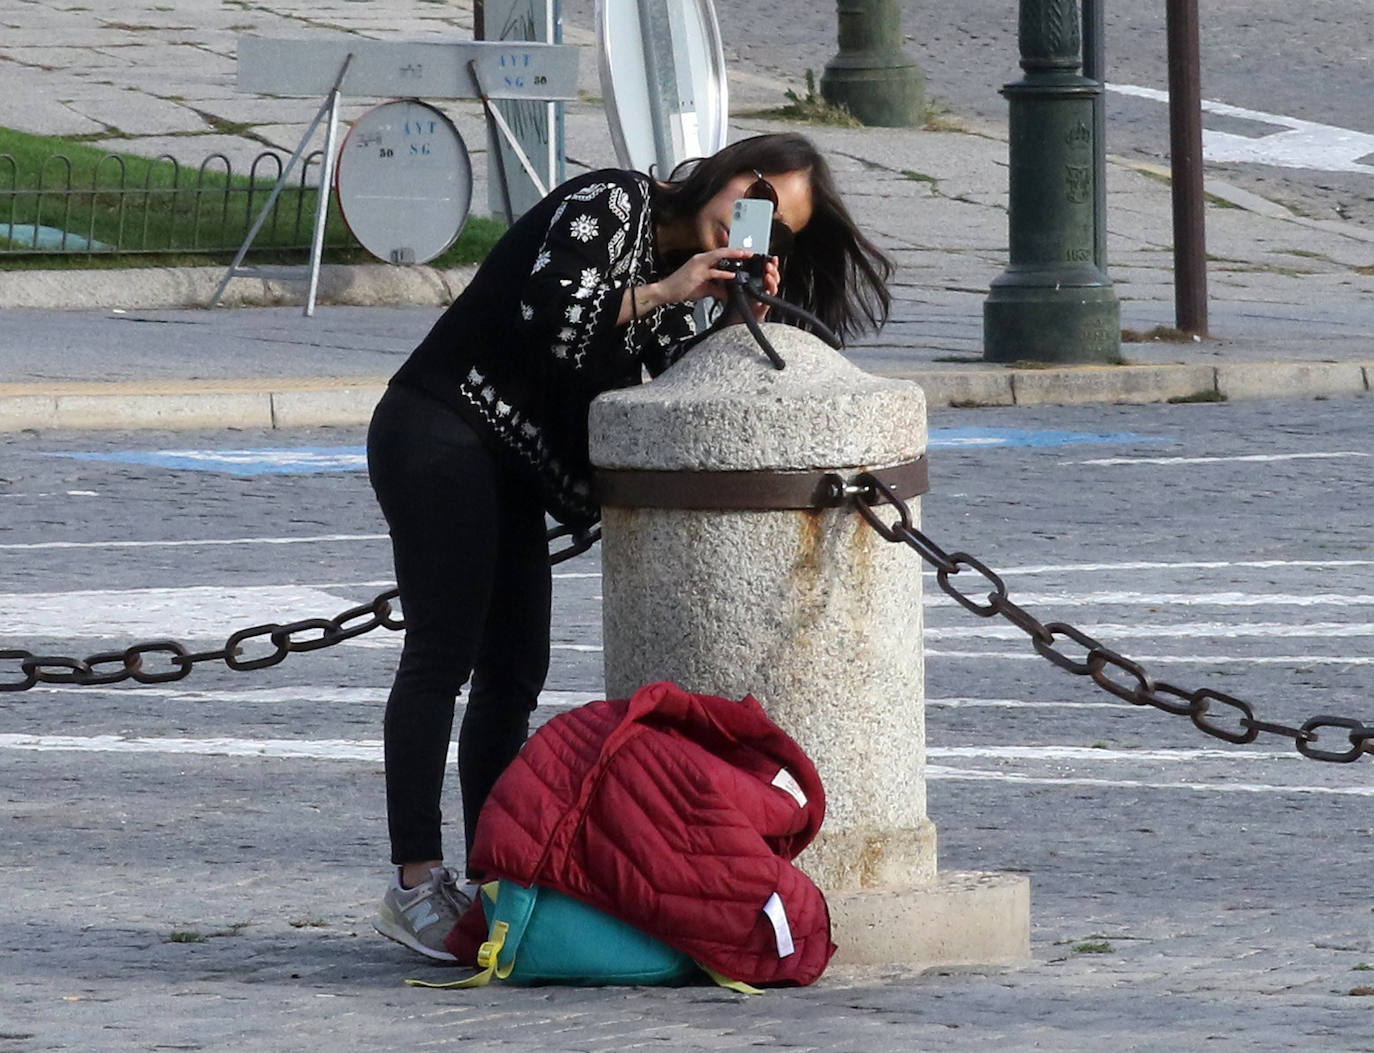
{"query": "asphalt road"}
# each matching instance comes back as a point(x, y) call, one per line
point(1221, 545)
point(1283, 62)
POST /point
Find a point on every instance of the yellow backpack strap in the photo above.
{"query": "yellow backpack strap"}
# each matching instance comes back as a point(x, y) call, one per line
point(488, 957)
point(733, 985)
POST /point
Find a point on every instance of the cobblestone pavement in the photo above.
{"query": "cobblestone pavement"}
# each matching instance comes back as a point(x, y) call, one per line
point(196, 864)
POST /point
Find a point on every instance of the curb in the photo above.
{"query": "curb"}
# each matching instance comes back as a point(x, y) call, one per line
point(348, 402)
point(175, 288)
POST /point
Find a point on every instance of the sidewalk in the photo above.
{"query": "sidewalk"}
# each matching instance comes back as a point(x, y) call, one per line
point(283, 957)
point(1291, 305)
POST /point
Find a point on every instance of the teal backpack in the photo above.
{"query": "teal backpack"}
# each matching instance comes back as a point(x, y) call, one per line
point(539, 936)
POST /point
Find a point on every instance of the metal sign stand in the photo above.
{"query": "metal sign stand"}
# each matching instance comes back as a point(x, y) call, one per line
point(330, 110)
point(494, 117)
point(436, 69)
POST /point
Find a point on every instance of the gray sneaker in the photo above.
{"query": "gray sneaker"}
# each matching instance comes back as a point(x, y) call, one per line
point(422, 916)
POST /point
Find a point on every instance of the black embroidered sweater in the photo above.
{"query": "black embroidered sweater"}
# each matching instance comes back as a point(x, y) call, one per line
point(532, 340)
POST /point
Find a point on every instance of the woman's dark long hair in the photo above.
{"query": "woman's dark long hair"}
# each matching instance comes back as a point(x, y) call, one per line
point(831, 269)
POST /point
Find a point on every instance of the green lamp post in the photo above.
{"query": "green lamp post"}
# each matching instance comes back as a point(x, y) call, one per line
point(1054, 302)
point(872, 76)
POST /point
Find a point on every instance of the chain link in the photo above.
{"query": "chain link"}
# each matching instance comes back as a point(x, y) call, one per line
point(272, 641)
point(1212, 712)
point(1220, 715)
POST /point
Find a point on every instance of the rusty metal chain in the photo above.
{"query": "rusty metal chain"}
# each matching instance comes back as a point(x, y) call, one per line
point(309, 634)
point(1219, 715)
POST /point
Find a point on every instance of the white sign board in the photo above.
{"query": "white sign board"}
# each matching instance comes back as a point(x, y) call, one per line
point(663, 77)
point(404, 182)
point(308, 66)
point(537, 126)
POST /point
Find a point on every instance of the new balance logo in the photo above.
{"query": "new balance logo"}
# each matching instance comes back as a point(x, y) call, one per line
point(421, 915)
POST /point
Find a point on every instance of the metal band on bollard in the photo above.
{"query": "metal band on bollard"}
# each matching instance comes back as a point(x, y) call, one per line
point(754, 490)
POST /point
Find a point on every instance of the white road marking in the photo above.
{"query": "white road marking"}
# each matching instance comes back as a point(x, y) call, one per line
point(31, 546)
point(1047, 568)
point(1139, 630)
point(1189, 599)
point(1251, 457)
point(1298, 144)
point(195, 612)
point(940, 773)
point(1169, 659)
point(1211, 564)
point(958, 702)
point(309, 695)
point(187, 612)
point(370, 751)
point(1093, 755)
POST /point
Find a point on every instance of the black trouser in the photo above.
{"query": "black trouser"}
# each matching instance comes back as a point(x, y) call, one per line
point(472, 565)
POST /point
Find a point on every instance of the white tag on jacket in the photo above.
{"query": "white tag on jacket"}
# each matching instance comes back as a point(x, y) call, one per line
point(785, 780)
point(782, 930)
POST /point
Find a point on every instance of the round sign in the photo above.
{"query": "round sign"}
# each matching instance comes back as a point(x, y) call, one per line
point(663, 78)
point(404, 181)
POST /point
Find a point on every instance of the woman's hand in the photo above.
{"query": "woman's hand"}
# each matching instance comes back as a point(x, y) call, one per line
point(699, 277)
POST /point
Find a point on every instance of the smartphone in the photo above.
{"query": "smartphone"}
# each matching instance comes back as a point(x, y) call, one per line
point(751, 222)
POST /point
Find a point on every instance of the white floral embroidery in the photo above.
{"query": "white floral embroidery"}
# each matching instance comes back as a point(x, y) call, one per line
point(567, 335)
point(574, 312)
point(560, 350)
point(542, 260)
point(590, 276)
point(526, 311)
point(616, 252)
point(583, 228)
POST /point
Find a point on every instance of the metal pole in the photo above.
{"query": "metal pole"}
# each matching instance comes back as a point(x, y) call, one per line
point(872, 76)
point(1095, 68)
point(1052, 303)
point(1185, 140)
point(331, 132)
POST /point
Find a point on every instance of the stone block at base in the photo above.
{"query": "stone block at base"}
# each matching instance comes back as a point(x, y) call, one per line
point(962, 918)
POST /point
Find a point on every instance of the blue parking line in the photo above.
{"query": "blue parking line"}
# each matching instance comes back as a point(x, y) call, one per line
point(298, 460)
point(306, 460)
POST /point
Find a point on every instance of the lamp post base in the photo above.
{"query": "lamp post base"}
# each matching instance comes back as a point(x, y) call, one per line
point(885, 91)
point(1058, 323)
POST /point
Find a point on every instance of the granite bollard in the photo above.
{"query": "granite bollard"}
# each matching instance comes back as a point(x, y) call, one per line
point(809, 610)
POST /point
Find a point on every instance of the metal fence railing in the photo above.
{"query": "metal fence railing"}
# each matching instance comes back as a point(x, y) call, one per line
point(121, 204)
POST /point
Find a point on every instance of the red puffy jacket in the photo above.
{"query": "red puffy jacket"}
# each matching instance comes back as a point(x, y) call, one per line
point(677, 813)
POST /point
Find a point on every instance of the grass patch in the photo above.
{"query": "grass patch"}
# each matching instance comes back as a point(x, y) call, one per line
point(191, 936)
point(1205, 395)
point(1094, 945)
point(153, 211)
point(812, 109)
point(920, 177)
point(1159, 334)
